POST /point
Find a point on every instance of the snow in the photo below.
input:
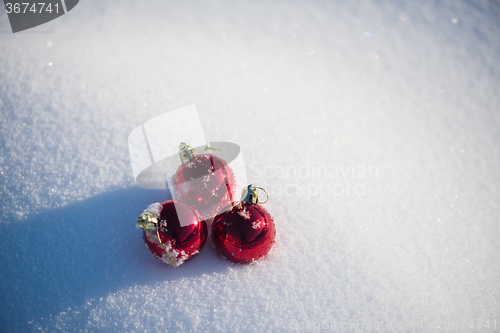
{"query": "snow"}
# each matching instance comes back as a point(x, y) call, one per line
point(244, 213)
point(155, 208)
point(300, 87)
point(256, 224)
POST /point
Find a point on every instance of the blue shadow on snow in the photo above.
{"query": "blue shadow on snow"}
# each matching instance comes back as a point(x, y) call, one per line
point(62, 257)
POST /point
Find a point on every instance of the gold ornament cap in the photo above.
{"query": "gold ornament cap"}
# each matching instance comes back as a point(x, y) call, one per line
point(250, 195)
point(186, 152)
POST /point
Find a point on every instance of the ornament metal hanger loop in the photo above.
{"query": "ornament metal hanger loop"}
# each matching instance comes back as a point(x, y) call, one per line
point(249, 194)
point(267, 195)
point(187, 152)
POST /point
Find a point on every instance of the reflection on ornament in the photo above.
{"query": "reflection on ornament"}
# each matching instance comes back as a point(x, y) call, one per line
point(246, 232)
point(203, 181)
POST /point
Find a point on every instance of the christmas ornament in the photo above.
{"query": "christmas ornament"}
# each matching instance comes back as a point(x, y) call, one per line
point(203, 181)
point(246, 231)
point(173, 231)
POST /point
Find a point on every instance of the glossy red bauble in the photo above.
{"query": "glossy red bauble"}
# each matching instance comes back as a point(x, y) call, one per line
point(206, 183)
point(244, 233)
point(180, 229)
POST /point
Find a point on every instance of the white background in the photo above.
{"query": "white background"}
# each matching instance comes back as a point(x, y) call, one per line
point(410, 89)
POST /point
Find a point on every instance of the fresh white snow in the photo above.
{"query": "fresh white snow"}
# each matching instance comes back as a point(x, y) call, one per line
point(155, 208)
point(373, 126)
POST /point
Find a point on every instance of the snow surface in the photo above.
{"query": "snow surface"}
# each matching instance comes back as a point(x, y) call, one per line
point(373, 126)
point(155, 208)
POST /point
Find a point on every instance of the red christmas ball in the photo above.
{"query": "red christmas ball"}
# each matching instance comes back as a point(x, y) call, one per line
point(204, 181)
point(244, 233)
point(173, 231)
